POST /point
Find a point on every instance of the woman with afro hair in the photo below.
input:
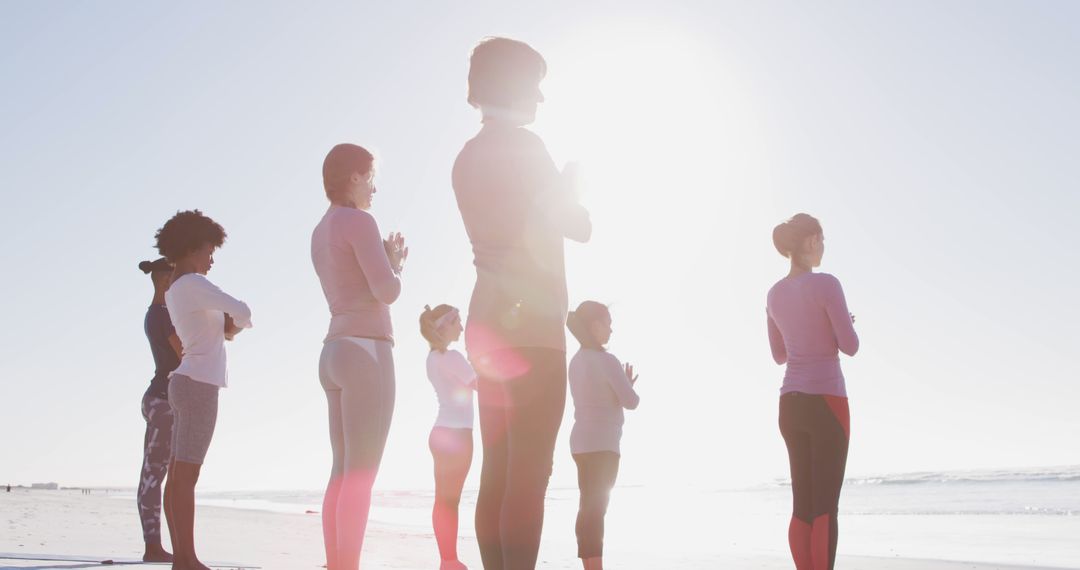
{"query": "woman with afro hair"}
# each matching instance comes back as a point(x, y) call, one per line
point(204, 317)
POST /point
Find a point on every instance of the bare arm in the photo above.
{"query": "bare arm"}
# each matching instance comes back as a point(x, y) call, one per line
point(776, 341)
point(174, 342)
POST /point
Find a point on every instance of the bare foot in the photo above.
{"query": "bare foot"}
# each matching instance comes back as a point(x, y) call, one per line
point(195, 565)
point(155, 553)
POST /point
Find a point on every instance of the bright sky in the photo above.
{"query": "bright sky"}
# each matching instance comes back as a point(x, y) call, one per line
point(936, 141)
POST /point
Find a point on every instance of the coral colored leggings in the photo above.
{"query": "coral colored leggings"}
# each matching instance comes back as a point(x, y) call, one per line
point(816, 430)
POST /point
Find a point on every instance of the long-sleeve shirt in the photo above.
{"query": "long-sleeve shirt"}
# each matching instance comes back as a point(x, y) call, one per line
point(600, 390)
point(809, 325)
point(350, 259)
point(198, 310)
point(517, 211)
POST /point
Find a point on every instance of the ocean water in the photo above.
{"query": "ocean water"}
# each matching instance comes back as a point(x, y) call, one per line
point(1029, 516)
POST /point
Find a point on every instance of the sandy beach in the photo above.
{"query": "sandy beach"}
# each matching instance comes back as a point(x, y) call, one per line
point(71, 523)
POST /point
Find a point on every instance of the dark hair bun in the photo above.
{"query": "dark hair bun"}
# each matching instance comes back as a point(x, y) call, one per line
point(155, 266)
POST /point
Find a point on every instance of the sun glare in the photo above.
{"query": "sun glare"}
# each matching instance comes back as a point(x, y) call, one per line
point(660, 125)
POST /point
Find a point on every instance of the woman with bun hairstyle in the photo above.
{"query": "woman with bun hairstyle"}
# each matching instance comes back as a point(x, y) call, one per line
point(451, 439)
point(204, 317)
point(157, 441)
point(518, 209)
point(809, 325)
point(360, 277)
point(601, 388)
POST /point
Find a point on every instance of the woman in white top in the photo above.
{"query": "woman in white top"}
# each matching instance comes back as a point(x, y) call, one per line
point(204, 317)
point(601, 388)
point(451, 440)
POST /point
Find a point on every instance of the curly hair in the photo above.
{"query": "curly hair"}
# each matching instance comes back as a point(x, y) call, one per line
point(186, 232)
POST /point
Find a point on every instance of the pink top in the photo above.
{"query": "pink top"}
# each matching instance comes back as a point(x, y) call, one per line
point(809, 325)
point(517, 211)
point(349, 257)
point(601, 390)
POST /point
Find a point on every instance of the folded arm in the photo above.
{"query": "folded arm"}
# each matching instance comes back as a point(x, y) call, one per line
point(776, 341)
point(624, 391)
point(370, 253)
point(840, 318)
point(209, 296)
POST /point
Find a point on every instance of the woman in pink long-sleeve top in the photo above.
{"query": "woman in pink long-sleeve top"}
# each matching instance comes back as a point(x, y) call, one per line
point(809, 325)
point(360, 276)
point(517, 212)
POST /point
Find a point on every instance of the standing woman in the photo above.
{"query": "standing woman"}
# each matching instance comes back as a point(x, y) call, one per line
point(205, 317)
point(809, 325)
point(517, 211)
point(451, 439)
point(360, 277)
point(157, 442)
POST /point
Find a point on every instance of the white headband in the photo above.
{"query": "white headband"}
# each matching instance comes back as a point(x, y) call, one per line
point(445, 318)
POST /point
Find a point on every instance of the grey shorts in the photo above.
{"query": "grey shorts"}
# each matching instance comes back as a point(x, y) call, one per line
point(195, 406)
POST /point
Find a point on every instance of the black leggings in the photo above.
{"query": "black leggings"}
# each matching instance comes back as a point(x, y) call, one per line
point(596, 474)
point(816, 431)
point(520, 415)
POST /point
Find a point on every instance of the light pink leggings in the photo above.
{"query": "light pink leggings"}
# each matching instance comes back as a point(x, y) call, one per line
point(358, 376)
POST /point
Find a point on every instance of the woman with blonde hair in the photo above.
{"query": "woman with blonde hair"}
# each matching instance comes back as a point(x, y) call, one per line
point(451, 439)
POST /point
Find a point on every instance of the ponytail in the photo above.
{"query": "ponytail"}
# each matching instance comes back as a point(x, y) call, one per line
point(157, 266)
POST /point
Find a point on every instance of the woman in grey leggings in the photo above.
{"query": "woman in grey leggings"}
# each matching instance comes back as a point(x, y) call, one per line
point(204, 317)
point(360, 276)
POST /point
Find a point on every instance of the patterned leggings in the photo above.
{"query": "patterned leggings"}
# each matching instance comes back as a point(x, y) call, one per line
point(157, 447)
